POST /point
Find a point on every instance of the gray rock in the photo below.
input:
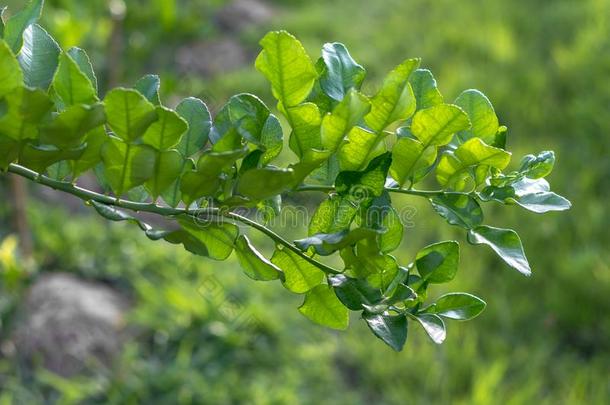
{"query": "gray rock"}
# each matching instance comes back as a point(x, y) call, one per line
point(241, 14)
point(69, 324)
point(212, 57)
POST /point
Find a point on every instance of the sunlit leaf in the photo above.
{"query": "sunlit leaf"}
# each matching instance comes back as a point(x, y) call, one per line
point(166, 131)
point(424, 88)
point(505, 242)
point(482, 116)
point(343, 118)
point(259, 184)
point(70, 126)
point(84, 64)
point(458, 306)
point(395, 100)
point(129, 114)
point(127, 166)
point(167, 167)
point(253, 263)
point(438, 263)
point(218, 238)
point(71, 84)
point(322, 306)
point(305, 121)
point(24, 109)
point(18, 23)
point(453, 167)
point(300, 275)
point(11, 76)
point(287, 66)
point(360, 147)
point(436, 125)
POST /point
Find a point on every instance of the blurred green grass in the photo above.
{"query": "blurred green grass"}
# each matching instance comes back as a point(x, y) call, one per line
point(545, 66)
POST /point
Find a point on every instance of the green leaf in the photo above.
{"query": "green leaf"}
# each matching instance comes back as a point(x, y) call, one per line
point(114, 214)
point(127, 166)
point(167, 167)
point(345, 115)
point(301, 276)
point(438, 263)
point(38, 158)
point(38, 57)
point(18, 23)
point(341, 72)
point(458, 209)
point(459, 306)
point(359, 148)
point(354, 292)
point(332, 215)
point(11, 76)
point(411, 161)
point(84, 64)
point(305, 121)
point(367, 184)
point(436, 125)
point(166, 131)
point(218, 238)
point(253, 263)
point(311, 161)
point(70, 126)
point(148, 86)
point(2, 10)
point(258, 184)
point(425, 90)
point(542, 201)
point(395, 100)
point(253, 121)
point(482, 116)
point(322, 306)
point(383, 218)
point(197, 116)
point(538, 166)
point(172, 196)
point(326, 244)
point(71, 84)
point(9, 151)
point(205, 181)
point(129, 114)
point(24, 109)
point(433, 325)
point(505, 242)
point(271, 140)
point(224, 135)
point(392, 330)
point(92, 154)
point(533, 195)
point(452, 170)
point(379, 269)
point(61, 170)
point(400, 292)
point(287, 66)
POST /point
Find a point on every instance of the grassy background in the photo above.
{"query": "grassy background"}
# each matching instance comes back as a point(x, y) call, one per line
point(545, 66)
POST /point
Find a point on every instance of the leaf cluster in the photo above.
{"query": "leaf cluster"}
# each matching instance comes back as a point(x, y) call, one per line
point(359, 149)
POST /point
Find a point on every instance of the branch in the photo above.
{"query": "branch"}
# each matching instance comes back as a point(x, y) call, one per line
point(88, 195)
point(419, 193)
